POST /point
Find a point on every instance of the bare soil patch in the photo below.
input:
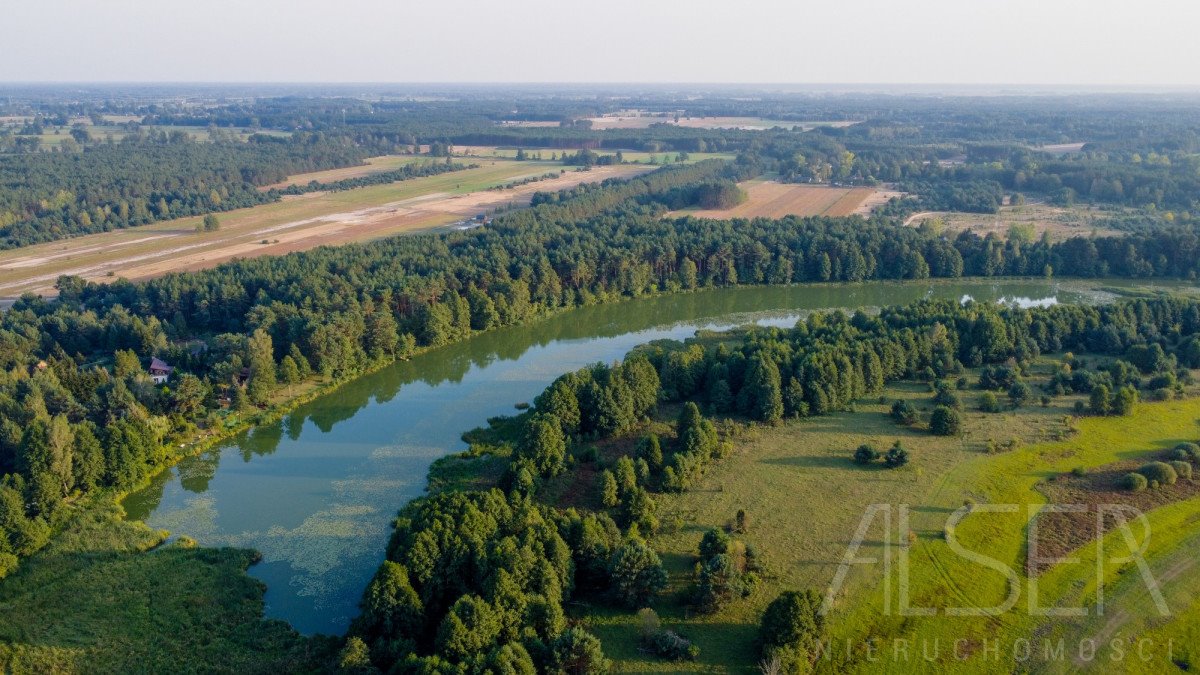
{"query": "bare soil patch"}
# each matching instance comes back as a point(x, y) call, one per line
point(1061, 533)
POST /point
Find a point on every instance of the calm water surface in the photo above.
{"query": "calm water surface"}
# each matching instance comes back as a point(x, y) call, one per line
point(316, 492)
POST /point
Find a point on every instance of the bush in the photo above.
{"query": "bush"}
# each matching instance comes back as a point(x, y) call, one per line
point(1134, 482)
point(1160, 472)
point(896, 457)
point(1188, 452)
point(671, 645)
point(945, 421)
point(714, 542)
point(1019, 393)
point(988, 402)
point(904, 413)
point(792, 625)
point(865, 454)
point(945, 395)
point(1184, 469)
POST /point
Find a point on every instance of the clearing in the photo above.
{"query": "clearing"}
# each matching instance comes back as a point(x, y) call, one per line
point(774, 200)
point(294, 224)
point(1060, 222)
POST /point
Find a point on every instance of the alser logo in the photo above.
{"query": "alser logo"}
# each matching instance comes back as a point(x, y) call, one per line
point(1131, 552)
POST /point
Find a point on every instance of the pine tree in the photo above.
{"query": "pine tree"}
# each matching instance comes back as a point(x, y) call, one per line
point(262, 367)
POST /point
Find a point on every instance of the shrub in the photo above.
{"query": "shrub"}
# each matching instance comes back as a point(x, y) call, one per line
point(1160, 472)
point(1134, 482)
point(1079, 472)
point(1188, 452)
point(671, 645)
point(648, 624)
point(741, 522)
point(945, 421)
point(896, 457)
point(945, 395)
point(904, 413)
point(988, 402)
point(1184, 469)
point(865, 454)
point(1019, 393)
point(714, 542)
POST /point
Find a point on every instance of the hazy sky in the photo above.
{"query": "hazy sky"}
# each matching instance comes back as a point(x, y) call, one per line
point(1092, 42)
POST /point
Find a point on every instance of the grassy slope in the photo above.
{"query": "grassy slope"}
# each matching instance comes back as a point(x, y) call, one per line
point(105, 597)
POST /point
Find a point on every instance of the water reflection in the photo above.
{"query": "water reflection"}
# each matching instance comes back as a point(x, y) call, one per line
point(315, 492)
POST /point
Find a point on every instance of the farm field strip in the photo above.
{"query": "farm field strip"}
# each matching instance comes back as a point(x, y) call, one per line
point(294, 224)
point(774, 200)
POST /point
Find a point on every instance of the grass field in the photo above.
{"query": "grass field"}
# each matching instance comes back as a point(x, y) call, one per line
point(296, 223)
point(769, 199)
point(372, 165)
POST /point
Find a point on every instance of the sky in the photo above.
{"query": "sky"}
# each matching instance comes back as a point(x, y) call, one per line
point(1100, 43)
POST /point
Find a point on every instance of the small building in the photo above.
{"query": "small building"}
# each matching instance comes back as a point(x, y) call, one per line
point(160, 372)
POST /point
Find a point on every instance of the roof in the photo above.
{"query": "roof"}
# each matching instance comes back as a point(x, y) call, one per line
point(158, 364)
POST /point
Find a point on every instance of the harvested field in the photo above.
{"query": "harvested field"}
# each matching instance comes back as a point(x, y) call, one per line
point(372, 165)
point(775, 200)
point(1062, 148)
point(644, 120)
point(294, 224)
